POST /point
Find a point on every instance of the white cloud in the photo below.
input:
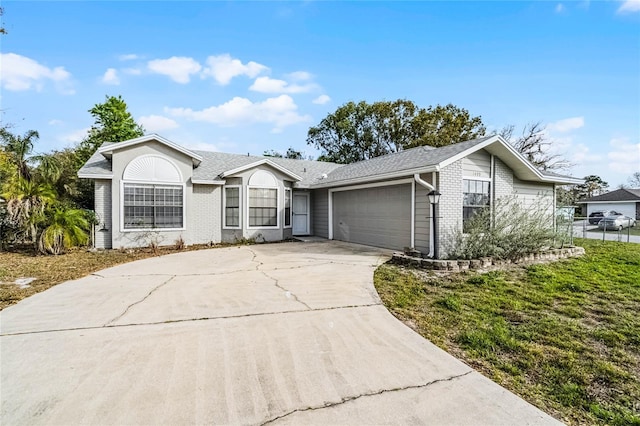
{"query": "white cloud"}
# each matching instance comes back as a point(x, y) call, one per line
point(629, 6)
point(74, 136)
point(178, 68)
point(299, 76)
point(624, 156)
point(280, 112)
point(581, 154)
point(21, 73)
point(111, 77)
point(273, 85)
point(54, 122)
point(566, 125)
point(132, 71)
point(223, 68)
point(157, 123)
point(559, 8)
point(128, 57)
point(321, 100)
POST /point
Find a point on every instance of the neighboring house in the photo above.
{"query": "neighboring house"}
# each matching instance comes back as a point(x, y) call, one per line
point(150, 187)
point(625, 201)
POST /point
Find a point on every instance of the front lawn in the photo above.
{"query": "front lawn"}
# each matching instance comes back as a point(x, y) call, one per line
point(632, 231)
point(565, 336)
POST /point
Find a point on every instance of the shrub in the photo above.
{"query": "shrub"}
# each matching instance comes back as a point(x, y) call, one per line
point(509, 230)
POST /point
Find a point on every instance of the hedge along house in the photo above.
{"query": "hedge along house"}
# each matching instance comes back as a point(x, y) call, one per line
point(150, 187)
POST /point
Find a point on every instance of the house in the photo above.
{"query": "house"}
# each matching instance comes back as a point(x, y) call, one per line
point(625, 201)
point(150, 187)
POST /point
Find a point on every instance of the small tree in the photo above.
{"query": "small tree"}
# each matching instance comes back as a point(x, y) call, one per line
point(65, 228)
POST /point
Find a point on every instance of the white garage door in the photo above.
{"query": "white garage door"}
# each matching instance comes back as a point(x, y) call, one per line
point(378, 217)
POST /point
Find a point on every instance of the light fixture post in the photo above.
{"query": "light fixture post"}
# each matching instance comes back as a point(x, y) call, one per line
point(434, 199)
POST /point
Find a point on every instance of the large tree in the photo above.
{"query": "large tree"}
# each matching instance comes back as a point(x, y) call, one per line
point(359, 131)
point(593, 185)
point(113, 123)
point(291, 153)
point(634, 180)
point(535, 146)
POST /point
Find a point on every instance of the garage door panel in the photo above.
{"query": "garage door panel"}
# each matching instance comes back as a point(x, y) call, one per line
point(374, 216)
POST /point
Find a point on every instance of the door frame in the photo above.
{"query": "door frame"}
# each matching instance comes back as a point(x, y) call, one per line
point(308, 204)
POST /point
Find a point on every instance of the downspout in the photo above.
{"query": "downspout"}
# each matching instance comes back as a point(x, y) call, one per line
point(429, 187)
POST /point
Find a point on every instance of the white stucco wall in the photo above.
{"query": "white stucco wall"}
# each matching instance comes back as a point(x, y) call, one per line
point(139, 238)
point(102, 191)
point(263, 233)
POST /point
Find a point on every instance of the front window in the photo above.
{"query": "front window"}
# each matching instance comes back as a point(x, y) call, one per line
point(263, 207)
point(232, 207)
point(153, 206)
point(476, 196)
point(287, 207)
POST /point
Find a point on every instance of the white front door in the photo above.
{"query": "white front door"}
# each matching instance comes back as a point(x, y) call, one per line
point(300, 213)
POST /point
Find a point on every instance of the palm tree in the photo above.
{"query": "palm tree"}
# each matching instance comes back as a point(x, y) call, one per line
point(26, 202)
point(19, 149)
point(66, 228)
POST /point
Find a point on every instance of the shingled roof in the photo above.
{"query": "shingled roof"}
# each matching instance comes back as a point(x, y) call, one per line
point(211, 167)
point(623, 194)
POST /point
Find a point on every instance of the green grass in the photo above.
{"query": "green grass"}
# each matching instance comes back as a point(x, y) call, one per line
point(632, 231)
point(565, 336)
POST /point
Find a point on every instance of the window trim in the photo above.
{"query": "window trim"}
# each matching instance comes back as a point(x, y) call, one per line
point(136, 182)
point(284, 208)
point(224, 207)
point(248, 207)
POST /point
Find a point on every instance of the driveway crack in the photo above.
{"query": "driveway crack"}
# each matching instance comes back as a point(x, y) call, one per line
point(363, 395)
point(138, 302)
point(288, 293)
point(276, 282)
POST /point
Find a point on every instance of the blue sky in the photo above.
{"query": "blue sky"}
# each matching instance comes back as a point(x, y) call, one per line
point(253, 76)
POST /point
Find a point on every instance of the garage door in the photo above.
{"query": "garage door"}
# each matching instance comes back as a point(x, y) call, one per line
point(378, 217)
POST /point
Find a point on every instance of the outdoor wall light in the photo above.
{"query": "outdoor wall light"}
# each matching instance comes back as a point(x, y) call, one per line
point(434, 196)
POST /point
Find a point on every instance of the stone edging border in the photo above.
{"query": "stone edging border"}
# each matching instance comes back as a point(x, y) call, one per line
point(485, 262)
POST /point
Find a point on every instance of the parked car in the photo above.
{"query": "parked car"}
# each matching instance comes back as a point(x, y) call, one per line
point(597, 216)
point(616, 222)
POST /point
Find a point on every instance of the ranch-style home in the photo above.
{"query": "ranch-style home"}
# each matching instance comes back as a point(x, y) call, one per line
point(624, 200)
point(150, 187)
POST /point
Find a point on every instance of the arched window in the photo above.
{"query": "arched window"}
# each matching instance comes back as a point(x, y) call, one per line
point(152, 194)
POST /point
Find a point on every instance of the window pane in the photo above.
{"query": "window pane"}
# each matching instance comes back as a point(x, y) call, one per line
point(287, 207)
point(232, 207)
point(263, 207)
point(476, 196)
point(150, 206)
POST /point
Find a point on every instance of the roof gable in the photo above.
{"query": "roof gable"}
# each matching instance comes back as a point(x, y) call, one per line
point(264, 161)
point(107, 149)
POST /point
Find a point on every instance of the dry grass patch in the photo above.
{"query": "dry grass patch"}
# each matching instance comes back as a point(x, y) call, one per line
point(52, 270)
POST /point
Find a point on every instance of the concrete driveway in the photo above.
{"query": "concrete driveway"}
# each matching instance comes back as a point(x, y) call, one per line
point(290, 333)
